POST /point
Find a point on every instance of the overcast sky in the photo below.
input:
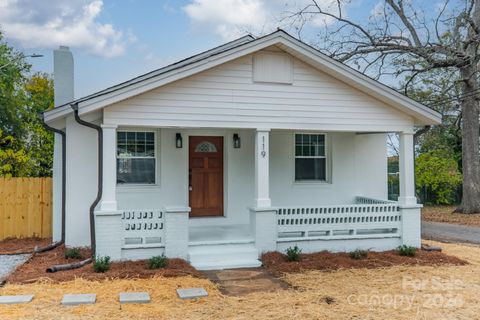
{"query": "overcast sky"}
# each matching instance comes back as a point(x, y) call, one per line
point(113, 41)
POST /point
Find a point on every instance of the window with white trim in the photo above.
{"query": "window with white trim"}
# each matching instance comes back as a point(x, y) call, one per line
point(135, 157)
point(310, 157)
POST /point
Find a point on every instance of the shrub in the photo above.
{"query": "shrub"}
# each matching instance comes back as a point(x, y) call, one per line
point(73, 253)
point(157, 262)
point(407, 251)
point(293, 253)
point(358, 254)
point(101, 264)
point(437, 177)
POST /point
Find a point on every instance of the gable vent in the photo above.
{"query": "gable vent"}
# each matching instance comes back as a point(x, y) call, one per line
point(274, 67)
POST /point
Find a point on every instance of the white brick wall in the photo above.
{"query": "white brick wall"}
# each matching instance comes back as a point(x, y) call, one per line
point(176, 232)
point(109, 234)
point(263, 223)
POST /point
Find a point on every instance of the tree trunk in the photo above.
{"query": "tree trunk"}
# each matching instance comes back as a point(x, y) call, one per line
point(470, 143)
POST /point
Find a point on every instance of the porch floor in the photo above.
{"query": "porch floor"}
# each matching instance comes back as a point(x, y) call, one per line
point(239, 233)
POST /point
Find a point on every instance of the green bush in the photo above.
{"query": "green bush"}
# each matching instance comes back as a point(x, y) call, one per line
point(157, 262)
point(73, 253)
point(358, 254)
point(407, 251)
point(293, 253)
point(437, 173)
point(101, 264)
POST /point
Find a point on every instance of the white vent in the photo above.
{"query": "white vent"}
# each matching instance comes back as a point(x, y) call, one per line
point(273, 67)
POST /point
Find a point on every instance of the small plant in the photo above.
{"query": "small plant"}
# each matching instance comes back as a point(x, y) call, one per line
point(73, 253)
point(358, 254)
point(293, 253)
point(157, 262)
point(101, 264)
point(407, 251)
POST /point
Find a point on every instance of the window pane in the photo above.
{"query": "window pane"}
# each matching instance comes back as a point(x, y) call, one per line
point(149, 150)
point(310, 169)
point(140, 137)
point(121, 136)
point(121, 149)
point(130, 137)
point(136, 171)
point(150, 137)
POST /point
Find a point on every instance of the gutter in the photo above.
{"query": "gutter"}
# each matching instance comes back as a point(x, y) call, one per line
point(64, 176)
point(74, 106)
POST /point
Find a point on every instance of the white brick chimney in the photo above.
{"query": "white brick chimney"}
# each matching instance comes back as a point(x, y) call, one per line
point(63, 89)
point(63, 75)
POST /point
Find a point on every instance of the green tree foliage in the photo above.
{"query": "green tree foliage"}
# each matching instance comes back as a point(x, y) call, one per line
point(38, 142)
point(437, 171)
point(13, 75)
point(22, 97)
point(12, 162)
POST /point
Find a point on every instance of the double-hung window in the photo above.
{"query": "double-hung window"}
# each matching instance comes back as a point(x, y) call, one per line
point(135, 157)
point(310, 157)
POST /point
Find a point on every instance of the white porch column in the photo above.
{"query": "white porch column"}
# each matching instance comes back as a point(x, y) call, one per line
point(109, 199)
point(262, 159)
point(406, 166)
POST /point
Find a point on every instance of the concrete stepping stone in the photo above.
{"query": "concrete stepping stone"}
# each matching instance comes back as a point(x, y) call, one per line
point(191, 293)
point(77, 299)
point(16, 299)
point(134, 297)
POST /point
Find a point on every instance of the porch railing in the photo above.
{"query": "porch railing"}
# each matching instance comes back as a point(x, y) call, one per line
point(367, 218)
point(143, 228)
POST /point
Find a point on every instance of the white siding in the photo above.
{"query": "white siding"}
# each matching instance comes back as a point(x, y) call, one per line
point(226, 96)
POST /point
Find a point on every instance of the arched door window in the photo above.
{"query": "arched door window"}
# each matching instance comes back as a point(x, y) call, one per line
point(205, 146)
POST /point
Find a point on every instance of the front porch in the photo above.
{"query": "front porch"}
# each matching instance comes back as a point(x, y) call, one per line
point(281, 212)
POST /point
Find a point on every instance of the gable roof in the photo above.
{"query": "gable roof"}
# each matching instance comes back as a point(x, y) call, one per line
point(422, 114)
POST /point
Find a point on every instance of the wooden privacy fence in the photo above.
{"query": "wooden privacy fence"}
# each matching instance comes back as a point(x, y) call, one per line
point(25, 207)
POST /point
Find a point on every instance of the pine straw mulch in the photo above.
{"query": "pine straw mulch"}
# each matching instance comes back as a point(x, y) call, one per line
point(382, 293)
point(35, 269)
point(446, 214)
point(22, 245)
point(278, 264)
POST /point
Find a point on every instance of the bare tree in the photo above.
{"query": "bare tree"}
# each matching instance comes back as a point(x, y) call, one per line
point(402, 37)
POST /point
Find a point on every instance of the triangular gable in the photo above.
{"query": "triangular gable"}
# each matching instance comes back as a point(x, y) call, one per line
point(241, 47)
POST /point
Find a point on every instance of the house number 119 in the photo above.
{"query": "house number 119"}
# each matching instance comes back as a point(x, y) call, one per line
point(263, 153)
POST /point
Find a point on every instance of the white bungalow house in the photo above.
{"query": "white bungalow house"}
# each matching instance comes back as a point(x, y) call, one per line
point(256, 145)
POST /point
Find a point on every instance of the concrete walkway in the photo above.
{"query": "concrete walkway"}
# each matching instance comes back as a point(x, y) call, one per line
point(450, 232)
point(8, 263)
point(239, 282)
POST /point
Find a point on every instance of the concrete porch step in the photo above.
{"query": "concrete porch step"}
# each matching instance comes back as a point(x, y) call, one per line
point(223, 256)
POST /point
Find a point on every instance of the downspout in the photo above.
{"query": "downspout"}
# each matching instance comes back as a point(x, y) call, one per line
point(100, 174)
point(64, 172)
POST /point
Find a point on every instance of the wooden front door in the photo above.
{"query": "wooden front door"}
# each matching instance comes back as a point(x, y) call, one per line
point(206, 176)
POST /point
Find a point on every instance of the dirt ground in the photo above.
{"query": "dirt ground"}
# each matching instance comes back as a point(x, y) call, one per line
point(400, 292)
point(35, 269)
point(25, 245)
point(446, 214)
point(277, 262)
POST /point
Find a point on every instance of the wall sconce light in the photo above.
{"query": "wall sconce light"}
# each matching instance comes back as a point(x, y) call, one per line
point(236, 141)
point(178, 140)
